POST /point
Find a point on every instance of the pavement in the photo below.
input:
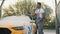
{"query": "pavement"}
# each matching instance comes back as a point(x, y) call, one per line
point(49, 31)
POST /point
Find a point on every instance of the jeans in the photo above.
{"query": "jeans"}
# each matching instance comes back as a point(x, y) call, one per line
point(40, 27)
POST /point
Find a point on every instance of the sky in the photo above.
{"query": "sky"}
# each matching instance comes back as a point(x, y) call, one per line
point(58, 1)
point(9, 2)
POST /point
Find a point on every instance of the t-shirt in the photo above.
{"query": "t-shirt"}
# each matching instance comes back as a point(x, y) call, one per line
point(39, 12)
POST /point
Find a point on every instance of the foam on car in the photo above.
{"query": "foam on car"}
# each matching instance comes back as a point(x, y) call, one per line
point(15, 21)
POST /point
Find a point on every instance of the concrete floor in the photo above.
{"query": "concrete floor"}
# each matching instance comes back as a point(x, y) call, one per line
point(49, 31)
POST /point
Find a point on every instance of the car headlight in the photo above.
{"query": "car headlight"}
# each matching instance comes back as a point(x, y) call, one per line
point(18, 28)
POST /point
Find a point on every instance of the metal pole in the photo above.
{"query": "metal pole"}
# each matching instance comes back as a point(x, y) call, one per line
point(1, 8)
point(56, 20)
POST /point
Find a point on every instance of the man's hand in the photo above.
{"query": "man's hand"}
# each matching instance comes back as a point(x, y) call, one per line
point(33, 13)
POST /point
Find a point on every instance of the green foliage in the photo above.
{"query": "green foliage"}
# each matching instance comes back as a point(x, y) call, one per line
point(21, 7)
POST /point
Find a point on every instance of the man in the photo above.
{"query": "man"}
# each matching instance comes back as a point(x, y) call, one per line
point(40, 15)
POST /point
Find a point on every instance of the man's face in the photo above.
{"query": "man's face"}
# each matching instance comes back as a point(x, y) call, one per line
point(38, 6)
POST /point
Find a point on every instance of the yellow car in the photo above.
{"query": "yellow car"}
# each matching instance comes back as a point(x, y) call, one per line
point(16, 25)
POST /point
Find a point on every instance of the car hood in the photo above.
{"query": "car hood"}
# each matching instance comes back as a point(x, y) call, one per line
point(15, 21)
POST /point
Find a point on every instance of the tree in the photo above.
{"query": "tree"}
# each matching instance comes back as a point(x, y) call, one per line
point(57, 16)
point(1, 7)
point(20, 8)
point(49, 17)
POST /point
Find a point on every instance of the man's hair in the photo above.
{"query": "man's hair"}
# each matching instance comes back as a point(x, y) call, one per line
point(39, 3)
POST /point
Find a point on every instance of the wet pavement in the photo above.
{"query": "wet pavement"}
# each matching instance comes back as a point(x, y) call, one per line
point(49, 31)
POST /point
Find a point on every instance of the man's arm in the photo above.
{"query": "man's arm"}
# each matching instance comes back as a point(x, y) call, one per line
point(43, 15)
